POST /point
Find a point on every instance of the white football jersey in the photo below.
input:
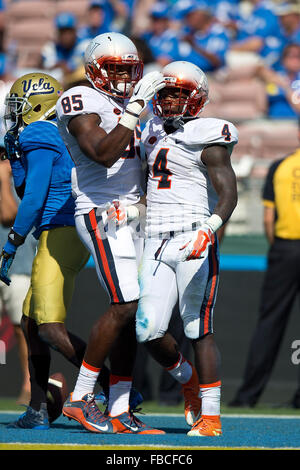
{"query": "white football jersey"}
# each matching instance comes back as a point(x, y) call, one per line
point(180, 195)
point(93, 184)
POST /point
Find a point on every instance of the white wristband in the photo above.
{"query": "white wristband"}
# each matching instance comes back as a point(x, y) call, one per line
point(131, 115)
point(132, 213)
point(214, 222)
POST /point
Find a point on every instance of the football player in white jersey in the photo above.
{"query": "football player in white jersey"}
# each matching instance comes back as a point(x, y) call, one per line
point(99, 125)
point(191, 193)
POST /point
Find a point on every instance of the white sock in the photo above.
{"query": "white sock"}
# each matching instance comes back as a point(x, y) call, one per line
point(86, 381)
point(181, 371)
point(119, 391)
point(211, 396)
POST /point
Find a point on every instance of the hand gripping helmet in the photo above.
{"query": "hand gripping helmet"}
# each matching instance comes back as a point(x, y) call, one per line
point(31, 98)
point(191, 85)
point(104, 58)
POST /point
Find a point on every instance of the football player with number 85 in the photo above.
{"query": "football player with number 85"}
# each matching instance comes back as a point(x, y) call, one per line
point(99, 125)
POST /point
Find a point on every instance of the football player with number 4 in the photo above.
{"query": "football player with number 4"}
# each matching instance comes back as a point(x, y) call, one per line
point(191, 193)
point(99, 125)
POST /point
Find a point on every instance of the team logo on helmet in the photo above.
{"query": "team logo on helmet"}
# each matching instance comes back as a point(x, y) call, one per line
point(41, 87)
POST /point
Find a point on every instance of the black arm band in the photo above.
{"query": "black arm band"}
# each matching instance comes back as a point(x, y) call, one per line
point(15, 238)
point(132, 114)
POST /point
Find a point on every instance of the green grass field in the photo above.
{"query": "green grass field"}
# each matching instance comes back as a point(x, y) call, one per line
point(9, 404)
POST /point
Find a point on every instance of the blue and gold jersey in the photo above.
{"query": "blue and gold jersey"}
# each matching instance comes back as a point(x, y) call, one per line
point(47, 200)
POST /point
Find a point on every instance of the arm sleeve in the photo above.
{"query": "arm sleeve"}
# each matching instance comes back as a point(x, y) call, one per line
point(37, 184)
point(18, 172)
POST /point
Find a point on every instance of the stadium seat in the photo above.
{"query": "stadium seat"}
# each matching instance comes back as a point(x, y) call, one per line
point(280, 139)
point(267, 139)
point(29, 55)
point(31, 30)
point(77, 7)
point(250, 140)
point(237, 100)
point(30, 9)
point(26, 39)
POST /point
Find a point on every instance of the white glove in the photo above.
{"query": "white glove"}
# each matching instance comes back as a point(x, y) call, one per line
point(120, 214)
point(196, 247)
point(144, 91)
point(147, 87)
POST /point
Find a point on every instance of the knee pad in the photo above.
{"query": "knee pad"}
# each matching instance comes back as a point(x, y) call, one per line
point(146, 328)
point(192, 327)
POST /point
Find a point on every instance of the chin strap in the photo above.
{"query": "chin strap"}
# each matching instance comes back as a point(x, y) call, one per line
point(47, 114)
point(172, 124)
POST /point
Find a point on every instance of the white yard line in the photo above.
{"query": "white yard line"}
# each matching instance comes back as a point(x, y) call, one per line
point(180, 415)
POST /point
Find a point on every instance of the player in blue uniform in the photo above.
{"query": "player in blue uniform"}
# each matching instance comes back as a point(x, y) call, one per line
point(41, 168)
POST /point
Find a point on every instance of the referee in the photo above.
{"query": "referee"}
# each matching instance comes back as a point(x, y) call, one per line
point(281, 200)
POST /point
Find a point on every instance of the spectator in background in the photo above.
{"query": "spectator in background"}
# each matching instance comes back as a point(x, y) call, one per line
point(2, 20)
point(283, 85)
point(63, 55)
point(145, 54)
point(281, 197)
point(205, 41)
point(161, 39)
point(259, 33)
point(106, 15)
point(97, 21)
point(289, 17)
point(2, 29)
point(11, 298)
point(226, 10)
point(119, 13)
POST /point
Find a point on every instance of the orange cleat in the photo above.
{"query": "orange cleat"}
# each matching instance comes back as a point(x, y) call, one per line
point(129, 424)
point(192, 403)
point(87, 413)
point(207, 426)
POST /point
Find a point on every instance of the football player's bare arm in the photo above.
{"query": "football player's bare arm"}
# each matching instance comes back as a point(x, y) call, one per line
point(218, 164)
point(95, 143)
point(269, 223)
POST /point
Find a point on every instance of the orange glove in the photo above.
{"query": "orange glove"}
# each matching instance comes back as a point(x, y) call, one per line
point(121, 214)
point(117, 212)
point(195, 248)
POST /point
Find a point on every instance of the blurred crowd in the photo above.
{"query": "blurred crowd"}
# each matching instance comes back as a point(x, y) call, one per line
point(259, 36)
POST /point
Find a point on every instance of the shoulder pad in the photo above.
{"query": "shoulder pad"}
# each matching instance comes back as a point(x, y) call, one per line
point(40, 134)
point(79, 100)
point(209, 130)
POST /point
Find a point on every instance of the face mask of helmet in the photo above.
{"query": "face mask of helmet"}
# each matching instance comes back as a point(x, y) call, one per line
point(178, 102)
point(15, 107)
point(115, 78)
point(120, 78)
